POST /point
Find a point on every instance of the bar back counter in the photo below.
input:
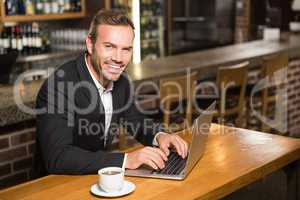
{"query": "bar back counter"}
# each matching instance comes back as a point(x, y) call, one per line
point(18, 132)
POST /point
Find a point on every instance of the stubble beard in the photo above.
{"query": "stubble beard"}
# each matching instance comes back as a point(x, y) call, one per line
point(96, 64)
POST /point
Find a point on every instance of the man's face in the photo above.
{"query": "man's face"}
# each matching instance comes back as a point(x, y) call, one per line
point(112, 51)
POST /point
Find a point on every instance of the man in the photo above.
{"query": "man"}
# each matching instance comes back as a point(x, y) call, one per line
point(90, 92)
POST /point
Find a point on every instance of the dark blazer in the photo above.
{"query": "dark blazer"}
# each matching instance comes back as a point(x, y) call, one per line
point(70, 141)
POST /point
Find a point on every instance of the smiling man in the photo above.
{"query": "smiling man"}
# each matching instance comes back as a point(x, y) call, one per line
point(82, 101)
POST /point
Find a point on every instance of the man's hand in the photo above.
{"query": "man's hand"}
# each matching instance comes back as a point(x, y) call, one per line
point(151, 156)
point(166, 141)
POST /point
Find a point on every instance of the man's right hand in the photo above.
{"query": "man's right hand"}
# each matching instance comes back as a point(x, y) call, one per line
point(151, 156)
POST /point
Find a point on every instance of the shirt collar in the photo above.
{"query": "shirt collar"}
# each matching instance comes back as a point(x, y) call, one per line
point(97, 83)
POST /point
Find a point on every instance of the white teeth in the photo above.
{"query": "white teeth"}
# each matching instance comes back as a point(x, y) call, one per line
point(114, 66)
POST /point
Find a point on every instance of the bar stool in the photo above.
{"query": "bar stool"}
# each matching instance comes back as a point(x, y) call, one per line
point(228, 77)
point(271, 66)
point(176, 90)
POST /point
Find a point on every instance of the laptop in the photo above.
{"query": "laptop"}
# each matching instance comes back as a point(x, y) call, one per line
point(176, 167)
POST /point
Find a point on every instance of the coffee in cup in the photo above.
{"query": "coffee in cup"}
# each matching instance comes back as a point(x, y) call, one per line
point(111, 179)
point(111, 172)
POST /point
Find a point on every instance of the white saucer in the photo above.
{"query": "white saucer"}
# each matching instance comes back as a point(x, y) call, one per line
point(128, 187)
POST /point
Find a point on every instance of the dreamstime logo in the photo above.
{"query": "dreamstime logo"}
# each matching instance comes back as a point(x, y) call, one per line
point(61, 97)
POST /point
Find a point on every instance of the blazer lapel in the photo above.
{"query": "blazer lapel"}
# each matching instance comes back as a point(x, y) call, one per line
point(87, 81)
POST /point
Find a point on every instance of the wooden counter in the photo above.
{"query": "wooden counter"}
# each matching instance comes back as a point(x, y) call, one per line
point(233, 159)
point(209, 60)
point(9, 112)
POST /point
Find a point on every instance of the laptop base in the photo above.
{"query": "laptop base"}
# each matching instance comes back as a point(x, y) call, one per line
point(145, 172)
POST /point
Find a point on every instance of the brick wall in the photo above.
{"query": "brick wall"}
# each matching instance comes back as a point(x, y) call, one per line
point(16, 151)
point(293, 91)
point(293, 101)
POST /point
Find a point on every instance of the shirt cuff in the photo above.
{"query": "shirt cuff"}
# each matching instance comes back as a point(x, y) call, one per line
point(124, 161)
point(155, 142)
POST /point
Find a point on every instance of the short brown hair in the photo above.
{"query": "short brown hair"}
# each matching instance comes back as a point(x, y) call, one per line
point(108, 17)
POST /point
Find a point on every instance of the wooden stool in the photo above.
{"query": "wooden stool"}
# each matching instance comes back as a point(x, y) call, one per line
point(177, 89)
point(227, 77)
point(271, 65)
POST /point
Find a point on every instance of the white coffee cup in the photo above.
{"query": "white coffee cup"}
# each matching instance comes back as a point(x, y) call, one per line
point(111, 179)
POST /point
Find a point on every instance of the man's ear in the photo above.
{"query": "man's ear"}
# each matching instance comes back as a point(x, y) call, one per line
point(89, 44)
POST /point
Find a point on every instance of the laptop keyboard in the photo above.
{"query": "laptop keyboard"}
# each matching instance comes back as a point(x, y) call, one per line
point(173, 166)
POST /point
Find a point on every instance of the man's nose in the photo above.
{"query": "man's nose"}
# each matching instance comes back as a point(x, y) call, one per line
point(117, 56)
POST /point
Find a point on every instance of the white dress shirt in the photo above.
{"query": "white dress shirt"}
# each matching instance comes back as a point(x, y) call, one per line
point(106, 98)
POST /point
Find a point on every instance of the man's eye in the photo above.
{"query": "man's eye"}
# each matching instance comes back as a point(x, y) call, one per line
point(126, 50)
point(108, 46)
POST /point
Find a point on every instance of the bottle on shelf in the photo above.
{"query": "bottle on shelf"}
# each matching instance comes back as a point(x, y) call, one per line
point(61, 4)
point(13, 38)
point(21, 7)
point(39, 6)
point(154, 28)
point(3, 42)
point(19, 39)
point(32, 7)
point(67, 5)
point(37, 40)
point(29, 7)
point(29, 40)
point(8, 7)
point(33, 39)
point(77, 6)
point(46, 47)
point(54, 6)
point(122, 5)
point(6, 40)
point(68, 39)
point(25, 40)
point(151, 13)
point(11, 7)
point(72, 5)
point(157, 8)
point(47, 7)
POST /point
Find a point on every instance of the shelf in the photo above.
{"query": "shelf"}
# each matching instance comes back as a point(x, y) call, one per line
point(150, 40)
point(41, 17)
point(26, 18)
point(152, 16)
point(189, 19)
point(45, 56)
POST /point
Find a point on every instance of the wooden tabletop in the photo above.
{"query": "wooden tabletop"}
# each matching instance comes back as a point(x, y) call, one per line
point(233, 158)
